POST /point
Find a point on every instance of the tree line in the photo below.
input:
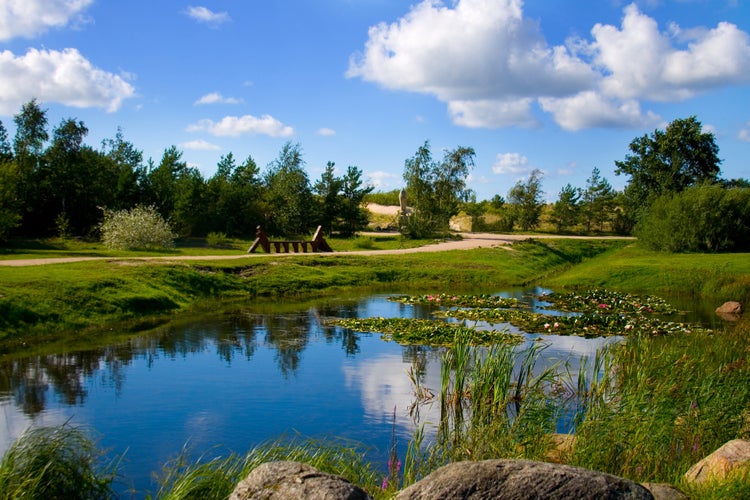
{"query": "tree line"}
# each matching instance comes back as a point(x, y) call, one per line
point(58, 185)
point(54, 185)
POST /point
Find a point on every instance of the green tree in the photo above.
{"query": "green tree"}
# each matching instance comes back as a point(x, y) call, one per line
point(353, 215)
point(668, 161)
point(597, 203)
point(232, 197)
point(527, 199)
point(10, 203)
point(127, 165)
point(28, 147)
point(288, 194)
point(565, 211)
point(328, 191)
point(435, 190)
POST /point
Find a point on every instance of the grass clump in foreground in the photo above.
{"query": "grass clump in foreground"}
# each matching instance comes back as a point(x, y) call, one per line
point(55, 462)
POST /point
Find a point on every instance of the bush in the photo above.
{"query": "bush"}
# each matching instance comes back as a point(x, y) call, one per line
point(708, 218)
point(218, 240)
point(135, 229)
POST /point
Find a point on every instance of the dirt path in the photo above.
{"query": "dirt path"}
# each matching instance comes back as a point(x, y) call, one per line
point(469, 241)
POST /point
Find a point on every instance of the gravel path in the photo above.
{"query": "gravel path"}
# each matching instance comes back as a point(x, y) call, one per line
point(469, 241)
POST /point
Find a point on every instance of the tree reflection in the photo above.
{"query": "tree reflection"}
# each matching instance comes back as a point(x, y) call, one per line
point(32, 380)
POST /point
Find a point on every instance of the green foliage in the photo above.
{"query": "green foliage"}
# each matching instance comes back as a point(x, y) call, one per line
point(566, 209)
point(668, 161)
point(435, 190)
point(218, 240)
point(708, 218)
point(597, 201)
point(527, 200)
point(288, 194)
point(10, 202)
point(139, 228)
point(340, 201)
point(54, 462)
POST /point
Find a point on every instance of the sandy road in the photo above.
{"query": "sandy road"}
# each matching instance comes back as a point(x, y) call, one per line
point(469, 241)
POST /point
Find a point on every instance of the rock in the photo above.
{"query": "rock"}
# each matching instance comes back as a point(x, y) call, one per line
point(285, 480)
point(521, 479)
point(664, 491)
point(730, 311)
point(719, 464)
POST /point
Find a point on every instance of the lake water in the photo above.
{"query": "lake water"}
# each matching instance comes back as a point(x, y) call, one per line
point(237, 381)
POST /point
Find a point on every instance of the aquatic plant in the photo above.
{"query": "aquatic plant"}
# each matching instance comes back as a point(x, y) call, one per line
point(424, 331)
point(448, 300)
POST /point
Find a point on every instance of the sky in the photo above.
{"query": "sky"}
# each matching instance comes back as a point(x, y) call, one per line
point(563, 87)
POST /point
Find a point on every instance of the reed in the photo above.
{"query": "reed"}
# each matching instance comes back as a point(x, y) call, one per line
point(55, 462)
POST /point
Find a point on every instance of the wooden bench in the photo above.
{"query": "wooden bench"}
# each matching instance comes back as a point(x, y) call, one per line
point(317, 244)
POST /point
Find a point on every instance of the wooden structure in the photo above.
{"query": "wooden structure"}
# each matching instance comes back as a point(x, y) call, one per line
point(318, 243)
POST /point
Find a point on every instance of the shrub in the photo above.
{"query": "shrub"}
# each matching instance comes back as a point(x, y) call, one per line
point(707, 218)
point(218, 240)
point(138, 228)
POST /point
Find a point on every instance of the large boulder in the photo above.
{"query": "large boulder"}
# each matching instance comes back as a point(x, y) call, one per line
point(733, 455)
point(730, 311)
point(521, 479)
point(285, 480)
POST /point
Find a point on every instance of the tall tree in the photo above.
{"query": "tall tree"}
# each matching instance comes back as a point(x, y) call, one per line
point(435, 190)
point(288, 193)
point(353, 215)
point(127, 165)
point(566, 209)
point(28, 147)
point(597, 201)
point(527, 199)
point(667, 161)
point(328, 188)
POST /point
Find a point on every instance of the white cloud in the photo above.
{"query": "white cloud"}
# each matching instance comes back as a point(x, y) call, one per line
point(27, 18)
point(63, 76)
point(641, 62)
point(503, 65)
point(744, 134)
point(217, 98)
point(511, 163)
point(234, 126)
point(326, 132)
point(200, 145)
point(205, 15)
point(492, 113)
point(382, 180)
point(591, 109)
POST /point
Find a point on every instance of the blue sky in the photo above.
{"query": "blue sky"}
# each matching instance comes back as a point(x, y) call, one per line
point(366, 82)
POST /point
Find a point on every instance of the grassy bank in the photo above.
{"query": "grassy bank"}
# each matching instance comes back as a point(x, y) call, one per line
point(39, 303)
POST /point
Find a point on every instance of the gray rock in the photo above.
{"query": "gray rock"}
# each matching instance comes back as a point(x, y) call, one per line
point(664, 491)
point(287, 480)
point(521, 480)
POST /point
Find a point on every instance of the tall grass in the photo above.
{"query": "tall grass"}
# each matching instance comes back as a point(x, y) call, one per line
point(55, 462)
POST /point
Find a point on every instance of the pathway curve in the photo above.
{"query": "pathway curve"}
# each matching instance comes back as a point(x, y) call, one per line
point(469, 241)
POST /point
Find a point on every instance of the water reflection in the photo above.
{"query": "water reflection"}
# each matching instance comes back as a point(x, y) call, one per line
point(239, 380)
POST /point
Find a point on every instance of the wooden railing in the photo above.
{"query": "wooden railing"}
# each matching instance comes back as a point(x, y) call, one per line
point(317, 244)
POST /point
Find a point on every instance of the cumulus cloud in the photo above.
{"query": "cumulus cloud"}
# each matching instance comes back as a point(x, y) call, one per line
point(641, 62)
point(511, 163)
point(235, 126)
point(217, 98)
point(207, 16)
point(503, 65)
point(744, 134)
point(27, 18)
point(200, 145)
point(382, 180)
point(58, 76)
point(326, 132)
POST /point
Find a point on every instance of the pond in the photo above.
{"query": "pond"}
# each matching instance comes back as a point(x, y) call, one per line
point(232, 382)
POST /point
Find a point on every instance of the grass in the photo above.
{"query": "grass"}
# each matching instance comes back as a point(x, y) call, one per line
point(55, 462)
point(41, 303)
